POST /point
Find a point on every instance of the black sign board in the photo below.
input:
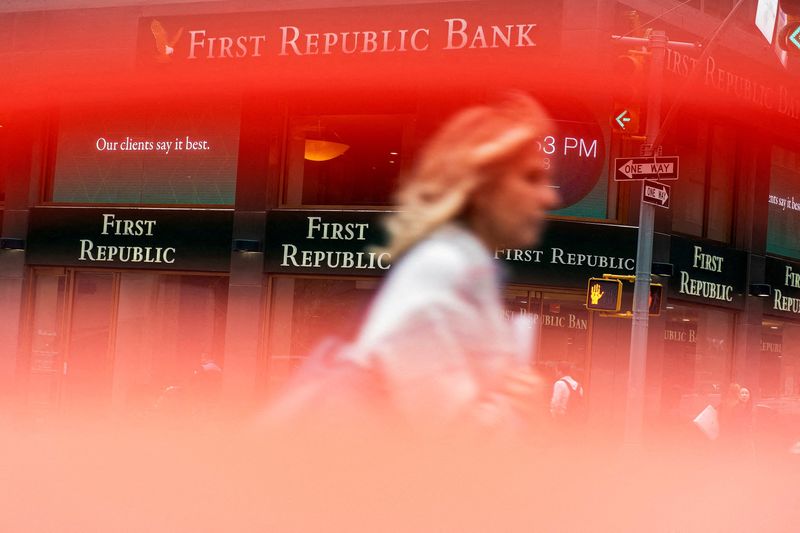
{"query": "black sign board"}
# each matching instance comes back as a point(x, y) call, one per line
point(708, 274)
point(156, 239)
point(343, 243)
point(656, 193)
point(646, 168)
point(603, 294)
point(326, 242)
point(784, 278)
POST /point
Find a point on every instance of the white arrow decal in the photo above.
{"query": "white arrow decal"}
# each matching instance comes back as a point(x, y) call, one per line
point(627, 169)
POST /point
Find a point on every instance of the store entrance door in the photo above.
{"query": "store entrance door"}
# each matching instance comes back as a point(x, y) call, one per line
point(116, 340)
point(87, 364)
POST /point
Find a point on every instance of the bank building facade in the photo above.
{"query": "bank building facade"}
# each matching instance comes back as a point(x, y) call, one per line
point(205, 185)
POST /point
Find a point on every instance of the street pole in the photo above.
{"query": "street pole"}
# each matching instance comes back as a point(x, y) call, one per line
point(634, 412)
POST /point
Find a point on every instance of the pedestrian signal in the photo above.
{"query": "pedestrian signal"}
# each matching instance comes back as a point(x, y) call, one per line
point(654, 301)
point(603, 294)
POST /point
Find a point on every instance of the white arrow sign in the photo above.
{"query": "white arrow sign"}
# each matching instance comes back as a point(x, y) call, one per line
point(646, 168)
point(630, 168)
point(656, 193)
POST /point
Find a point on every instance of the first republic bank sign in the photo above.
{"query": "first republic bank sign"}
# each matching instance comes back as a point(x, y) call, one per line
point(385, 32)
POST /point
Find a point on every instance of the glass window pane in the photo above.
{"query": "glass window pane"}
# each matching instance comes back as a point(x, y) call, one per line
point(46, 339)
point(691, 145)
point(783, 224)
point(564, 323)
point(86, 382)
point(345, 159)
point(170, 332)
point(306, 311)
point(698, 349)
point(149, 153)
point(779, 363)
point(720, 201)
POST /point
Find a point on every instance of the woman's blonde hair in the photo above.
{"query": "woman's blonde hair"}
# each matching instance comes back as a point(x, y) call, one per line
point(466, 152)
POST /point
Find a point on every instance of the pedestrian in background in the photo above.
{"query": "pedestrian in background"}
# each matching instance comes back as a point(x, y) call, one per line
point(567, 401)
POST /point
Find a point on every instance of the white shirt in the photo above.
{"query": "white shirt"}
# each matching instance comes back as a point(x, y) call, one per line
point(561, 394)
point(436, 329)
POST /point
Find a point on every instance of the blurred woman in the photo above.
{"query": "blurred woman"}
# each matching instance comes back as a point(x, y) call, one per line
point(436, 330)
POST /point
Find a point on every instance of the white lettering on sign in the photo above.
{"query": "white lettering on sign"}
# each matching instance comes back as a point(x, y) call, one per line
point(154, 146)
point(125, 254)
point(558, 256)
point(293, 256)
point(784, 202)
point(704, 261)
point(792, 278)
point(656, 193)
point(515, 254)
point(680, 336)
point(705, 289)
point(787, 304)
point(458, 33)
point(772, 347)
point(335, 230)
point(224, 46)
point(295, 42)
point(111, 225)
point(317, 228)
point(648, 168)
point(771, 97)
point(461, 35)
point(133, 228)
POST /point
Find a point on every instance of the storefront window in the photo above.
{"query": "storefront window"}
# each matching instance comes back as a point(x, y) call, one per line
point(355, 155)
point(346, 159)
point(698, 349)
point(305, 311)
point(120, 339)
point(784, 203)
point(707, 170)
point(87, 366)
point(560, 324)
point(170, 333)
point(47, 334)
point(720, 184)
point(166, 153)
point(779, 364)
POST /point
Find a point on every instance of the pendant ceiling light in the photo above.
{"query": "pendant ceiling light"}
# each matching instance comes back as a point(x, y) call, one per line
point(321, 147)
point(322, 150)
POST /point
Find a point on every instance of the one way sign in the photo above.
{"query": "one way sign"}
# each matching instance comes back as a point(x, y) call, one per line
point(646, 168)
point(655, 193)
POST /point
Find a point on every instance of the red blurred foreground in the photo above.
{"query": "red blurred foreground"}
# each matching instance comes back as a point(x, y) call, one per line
point(378, 480)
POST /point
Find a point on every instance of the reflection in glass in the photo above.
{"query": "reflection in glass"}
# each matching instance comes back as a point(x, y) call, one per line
point(779, 362)
point(305, 311)
point(698, 349)
point(86, 385)
point(560, 322)
point(167, 327)
point(345, 159)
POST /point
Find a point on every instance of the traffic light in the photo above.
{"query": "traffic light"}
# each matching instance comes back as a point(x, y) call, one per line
point(629, 75)
point(604, 294)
